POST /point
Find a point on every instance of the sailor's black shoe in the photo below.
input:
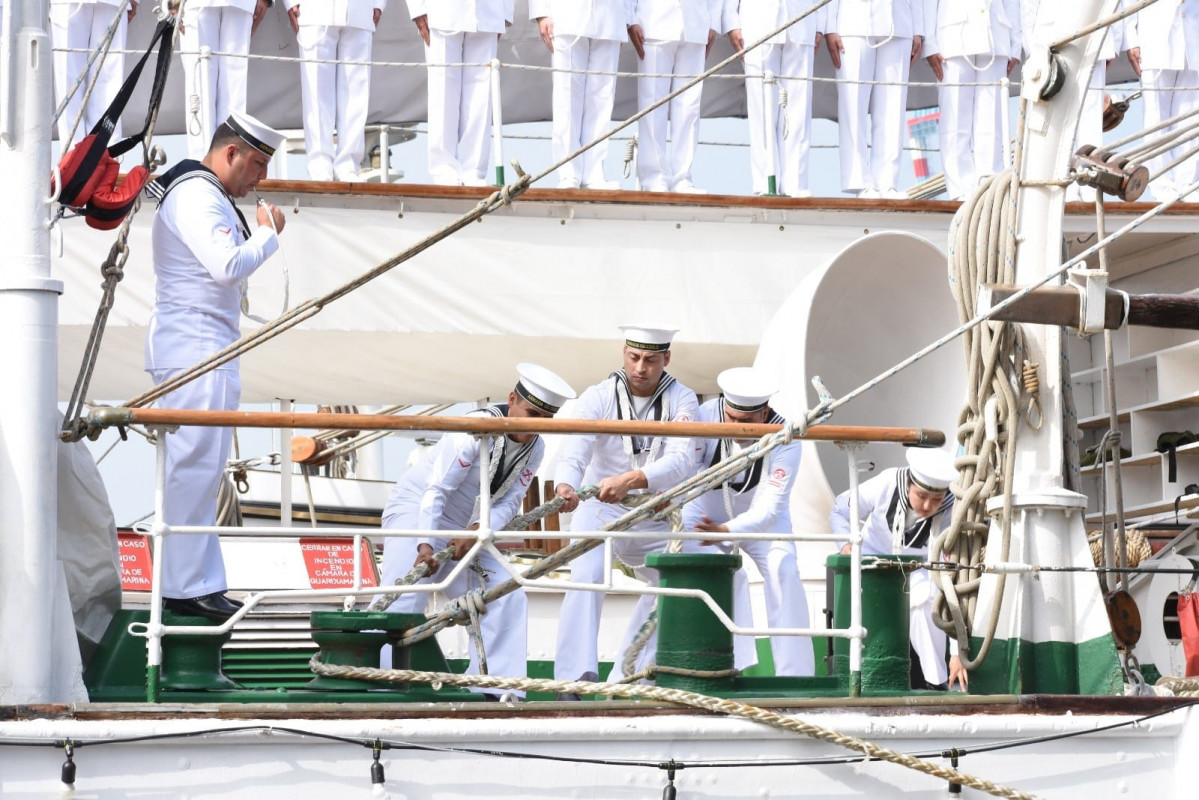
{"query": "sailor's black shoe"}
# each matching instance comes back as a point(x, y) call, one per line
point(570, 696)
point(215, 606)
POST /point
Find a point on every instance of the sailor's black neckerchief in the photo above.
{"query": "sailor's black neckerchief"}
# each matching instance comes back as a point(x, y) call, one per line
point(917, 535)
point(189, 168)
point(502, 475)
point(753, 474)
point(658, 409)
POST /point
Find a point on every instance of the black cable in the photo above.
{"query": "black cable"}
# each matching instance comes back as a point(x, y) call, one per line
point(370, 744)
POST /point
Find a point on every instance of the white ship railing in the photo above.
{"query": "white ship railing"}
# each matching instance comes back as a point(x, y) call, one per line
point(163, 421)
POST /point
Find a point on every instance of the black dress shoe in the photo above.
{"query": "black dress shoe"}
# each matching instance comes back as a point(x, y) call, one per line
point(215, 606)
point(573, 696)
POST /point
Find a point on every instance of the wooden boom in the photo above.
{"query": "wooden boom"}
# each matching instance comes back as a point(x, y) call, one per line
point(109, 417)
point(1059, 305)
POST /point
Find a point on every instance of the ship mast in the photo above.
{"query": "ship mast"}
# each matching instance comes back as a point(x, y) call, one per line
point(28, 361)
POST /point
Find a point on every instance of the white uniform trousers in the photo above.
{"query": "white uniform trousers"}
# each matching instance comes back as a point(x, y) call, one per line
point(971, 116)
point(336, 98)
point(192, 564)
point(660, 168)
point(583, 104)
point(786, 606)
point(459, 106)
point(80, 28)
point(222, 29)
point(504, 627)
point(926, 638)
point(872, 59)
point(577, 651)
point(1169, 93)
point(790, 126)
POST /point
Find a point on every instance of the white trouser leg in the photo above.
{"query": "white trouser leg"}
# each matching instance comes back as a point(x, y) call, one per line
point(474, 114)
point(1186, 94)
point(745, 648)
point(957, 120)
point(577, 650)
point(318, 87)
point(647, 654)
point(989, 133)
point(757, 62)
point(201, 28)
point(445, 98)
point(684, 112)
point(222, 29)
point(853, 100)
point(503, 627)
point(1169, 93)
point(570, 97)
point(599, 92)
point(353, 100)
point(794, 134)
point(195, 466)
point(786, 605)
point(80, 28)
point(888, 112)
point(652, 162)
point(233, 70)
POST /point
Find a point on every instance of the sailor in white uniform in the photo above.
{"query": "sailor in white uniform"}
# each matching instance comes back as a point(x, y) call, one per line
point(223, 26)
point(460, 32)
point(900, 510)
point(619, 465)
point(972, 43)
point(756, 501)
point(791, 54)
point(671, 37)
point(873, 40)
point(336, 95)
point(203, 252)
point(441, 493)
point(77, 28)
point(1169, 69)
point(583, 35)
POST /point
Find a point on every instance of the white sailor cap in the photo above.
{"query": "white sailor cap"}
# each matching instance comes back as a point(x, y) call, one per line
point(641, 337)
point(542, 388)
point(931, 469)
point(256, 133)
point(745, 388)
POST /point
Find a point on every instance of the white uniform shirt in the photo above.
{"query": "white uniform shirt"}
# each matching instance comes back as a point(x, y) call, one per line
point(974, 27)
point(1169, 31)
point(337, 13)
point(605, 20)
point(465, 16)
point(200, 262)
point(1121, 35)
point(444, 486)
point(756, 18)
point(587, 459)
point(764, 508)
point(676, 20)
point(874, 501)
point(897, 19)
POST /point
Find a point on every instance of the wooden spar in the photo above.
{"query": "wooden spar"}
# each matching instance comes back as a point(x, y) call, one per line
point(1059, 305)
point(108, 417)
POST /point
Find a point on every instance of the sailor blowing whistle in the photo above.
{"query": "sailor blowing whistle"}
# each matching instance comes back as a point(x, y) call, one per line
point(269, 214)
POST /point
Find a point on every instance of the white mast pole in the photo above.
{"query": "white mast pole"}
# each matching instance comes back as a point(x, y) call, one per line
point(29, 360)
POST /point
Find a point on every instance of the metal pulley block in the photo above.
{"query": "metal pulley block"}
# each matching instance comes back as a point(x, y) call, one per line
point(1110, 173)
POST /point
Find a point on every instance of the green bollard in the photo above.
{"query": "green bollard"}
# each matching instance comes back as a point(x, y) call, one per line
point(886, 662)
point(689, 635)
point(193, 663)
point(353, 639)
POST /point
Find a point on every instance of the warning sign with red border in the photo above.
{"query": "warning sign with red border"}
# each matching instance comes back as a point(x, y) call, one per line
point(136, 563)
point(330, 563)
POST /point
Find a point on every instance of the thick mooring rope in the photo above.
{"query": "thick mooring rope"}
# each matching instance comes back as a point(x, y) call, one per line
point(716, 705)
